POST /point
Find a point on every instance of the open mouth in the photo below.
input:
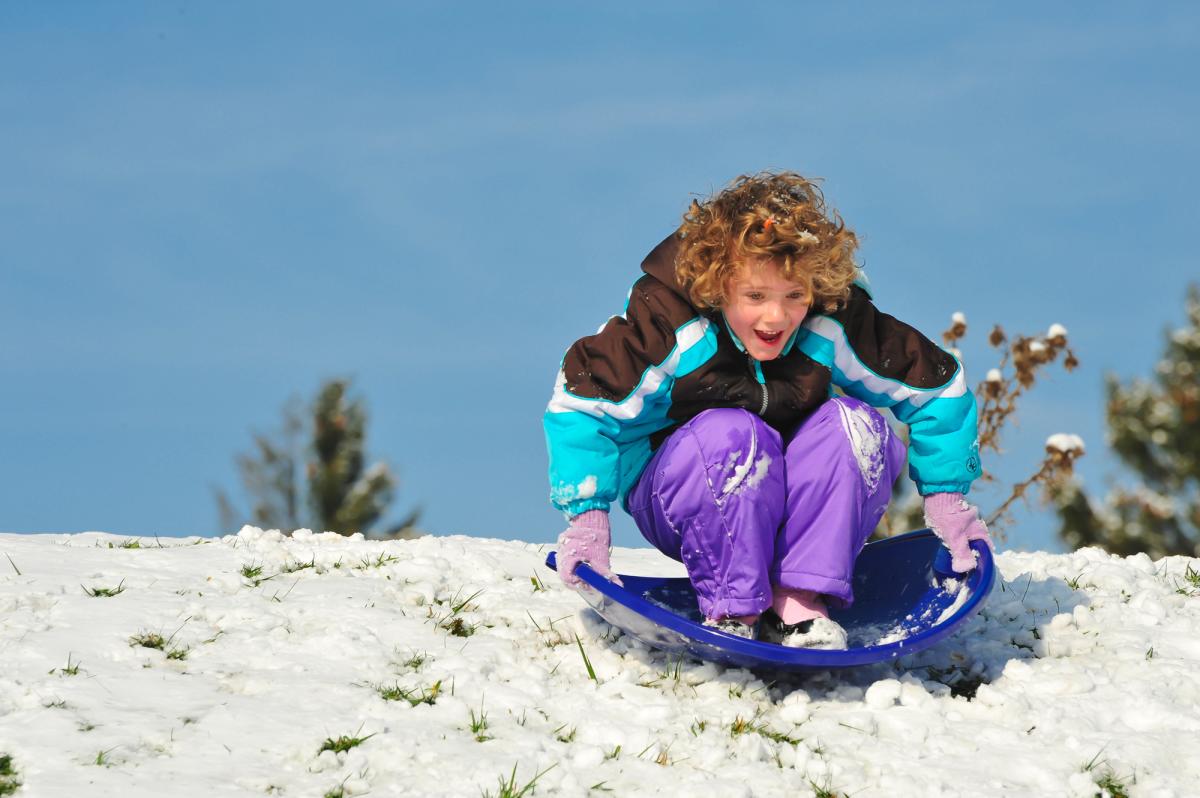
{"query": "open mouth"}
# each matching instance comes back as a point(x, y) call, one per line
point(769, 337)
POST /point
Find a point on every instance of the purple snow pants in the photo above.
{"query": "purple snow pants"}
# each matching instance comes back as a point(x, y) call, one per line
point(744, 512)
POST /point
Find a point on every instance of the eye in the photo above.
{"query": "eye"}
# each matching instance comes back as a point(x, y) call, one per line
point(754, 296)
point(798, 295)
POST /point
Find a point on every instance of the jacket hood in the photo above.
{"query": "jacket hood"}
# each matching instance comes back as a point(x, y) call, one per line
point(660, 264)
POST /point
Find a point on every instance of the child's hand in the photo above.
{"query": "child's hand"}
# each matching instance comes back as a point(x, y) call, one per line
point(586, 540)
point(953, 519)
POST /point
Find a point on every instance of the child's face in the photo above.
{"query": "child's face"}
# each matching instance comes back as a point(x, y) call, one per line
point(764, 308)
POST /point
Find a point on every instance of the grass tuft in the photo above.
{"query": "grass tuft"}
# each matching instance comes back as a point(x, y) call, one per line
point(1104, 777)
point(671, 674)
point(509, 789)
point(253, 574)
point(1114, 787)
point(148, 640)
point(552, 636)
point(293, 567)
point(824, 790)
point(71, 669)
point(459, 604)
point(452, 622)
point(157, 641)
point(587, 662)
point(380, 561)
point(742, 726)
point(425, 695)
point(1075, 582)
point(458, 627)
point(9, 778)
point(105, 592)
point(1191, 576)
point(343, 743)
point(479, 725)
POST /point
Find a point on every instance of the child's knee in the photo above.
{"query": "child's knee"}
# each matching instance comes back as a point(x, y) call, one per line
point(739, 449)
point(724, 432)
point(869, 441)
point(848, 432)
point(721, 454)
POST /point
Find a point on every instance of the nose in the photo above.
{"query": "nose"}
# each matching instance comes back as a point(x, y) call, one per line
point(773, 312)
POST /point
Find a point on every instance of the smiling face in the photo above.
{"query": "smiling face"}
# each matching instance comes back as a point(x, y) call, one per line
point(763, 308)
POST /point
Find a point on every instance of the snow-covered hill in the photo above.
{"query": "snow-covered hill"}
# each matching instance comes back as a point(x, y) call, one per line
point(450, 667)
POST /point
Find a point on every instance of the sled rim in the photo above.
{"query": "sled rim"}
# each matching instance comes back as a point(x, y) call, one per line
point(979, 581)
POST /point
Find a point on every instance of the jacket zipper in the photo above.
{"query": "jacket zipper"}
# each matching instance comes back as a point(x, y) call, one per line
point(756, 372)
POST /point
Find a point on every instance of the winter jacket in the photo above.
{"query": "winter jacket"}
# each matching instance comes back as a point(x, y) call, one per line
point(622, 391)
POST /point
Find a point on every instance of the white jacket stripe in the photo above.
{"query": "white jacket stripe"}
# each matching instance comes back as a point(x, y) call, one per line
point(631, 406)
point(854, 370)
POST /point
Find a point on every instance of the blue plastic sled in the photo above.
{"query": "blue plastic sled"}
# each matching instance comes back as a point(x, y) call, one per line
point(906, 598)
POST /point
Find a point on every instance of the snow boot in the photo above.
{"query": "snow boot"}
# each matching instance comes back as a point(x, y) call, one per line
point(812, 633)
point(731, 627)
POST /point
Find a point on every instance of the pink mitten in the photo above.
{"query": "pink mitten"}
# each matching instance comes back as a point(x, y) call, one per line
point(953, 519)
point(586, 540)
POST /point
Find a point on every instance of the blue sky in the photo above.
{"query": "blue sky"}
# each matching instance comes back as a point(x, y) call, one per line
point(208, 208)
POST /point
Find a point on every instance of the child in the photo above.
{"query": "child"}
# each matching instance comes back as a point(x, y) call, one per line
point(707, 410)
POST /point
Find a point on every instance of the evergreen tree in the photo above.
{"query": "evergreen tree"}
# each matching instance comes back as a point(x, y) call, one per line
point(270, 477)
point(341, 493)
point(1154, 427)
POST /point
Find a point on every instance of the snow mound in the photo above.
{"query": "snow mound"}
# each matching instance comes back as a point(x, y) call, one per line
point(319, 664)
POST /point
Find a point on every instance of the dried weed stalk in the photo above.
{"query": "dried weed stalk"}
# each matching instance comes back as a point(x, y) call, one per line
point(1057, 467)
point(1021, 360)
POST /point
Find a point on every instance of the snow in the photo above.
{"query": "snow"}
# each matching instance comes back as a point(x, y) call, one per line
point(742, 477)
point(958, 317)
point(1076, 659)
point(1056, 331)
point(587, 488)
point(1064, 442)
point(994, 375)
point(566, 492)
point(741, 470)
point(762, 466)
point(866, 441)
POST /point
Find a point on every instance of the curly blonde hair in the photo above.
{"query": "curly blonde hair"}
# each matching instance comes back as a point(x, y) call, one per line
point(776, 215)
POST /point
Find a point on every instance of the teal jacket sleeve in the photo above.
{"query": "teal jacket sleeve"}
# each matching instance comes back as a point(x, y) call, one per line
point(613, 391)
